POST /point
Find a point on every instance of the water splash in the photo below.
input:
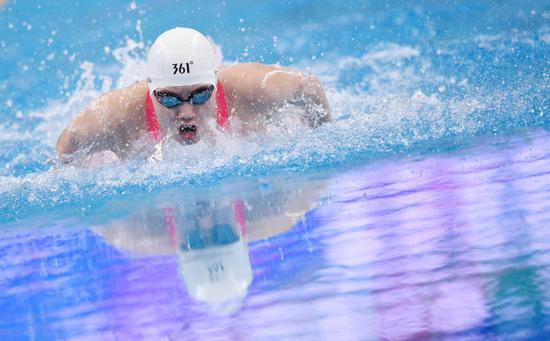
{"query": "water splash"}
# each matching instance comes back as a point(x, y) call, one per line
point(387, 99)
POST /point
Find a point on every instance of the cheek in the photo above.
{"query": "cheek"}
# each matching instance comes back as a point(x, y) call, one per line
point(164, 118)
point(207, 111)
point(203, 112)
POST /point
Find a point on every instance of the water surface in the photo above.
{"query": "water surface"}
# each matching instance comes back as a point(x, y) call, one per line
point(418, 213)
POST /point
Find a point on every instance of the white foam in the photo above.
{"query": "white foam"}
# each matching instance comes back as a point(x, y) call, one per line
point(57, 113)
point(131, 57)
point(11, 133)
point(381, 53)
point(388, 108)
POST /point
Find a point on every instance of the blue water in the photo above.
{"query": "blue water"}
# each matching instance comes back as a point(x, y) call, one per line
point(418, 213)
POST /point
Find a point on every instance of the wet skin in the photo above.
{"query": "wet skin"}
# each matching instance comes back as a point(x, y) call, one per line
point(115, 123)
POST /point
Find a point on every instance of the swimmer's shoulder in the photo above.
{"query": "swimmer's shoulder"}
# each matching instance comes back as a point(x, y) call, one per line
point(250, 72)
point(115, 118)
point(131, 97)
point(137, 90)
point(263, 83)
point(126, 106)
point(122, 103)
point(254, 87)
point(243, 81)
point(247, 68)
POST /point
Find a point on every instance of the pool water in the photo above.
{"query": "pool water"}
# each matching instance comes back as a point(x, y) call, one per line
point(420, 212)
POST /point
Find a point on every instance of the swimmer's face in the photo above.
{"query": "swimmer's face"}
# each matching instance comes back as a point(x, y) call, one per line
point(185, 122)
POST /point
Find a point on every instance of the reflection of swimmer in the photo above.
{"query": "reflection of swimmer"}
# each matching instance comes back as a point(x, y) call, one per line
point(268, 212)
point(209, 240)
point(184, 89)
point(210, 234)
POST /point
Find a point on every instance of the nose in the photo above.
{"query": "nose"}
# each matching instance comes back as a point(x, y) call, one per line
point(186, 111)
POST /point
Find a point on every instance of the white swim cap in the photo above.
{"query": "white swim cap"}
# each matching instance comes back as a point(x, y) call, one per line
point(216, 274)
point(181, 56)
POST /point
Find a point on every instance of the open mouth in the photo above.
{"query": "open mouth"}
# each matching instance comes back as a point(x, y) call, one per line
point(188, 132)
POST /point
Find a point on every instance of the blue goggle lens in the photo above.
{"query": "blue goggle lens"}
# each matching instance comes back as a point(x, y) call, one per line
point(219, 235)
point(198, 97)
point(168, 101)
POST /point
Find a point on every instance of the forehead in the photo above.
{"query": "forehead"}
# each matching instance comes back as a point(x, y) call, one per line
point(183, 88)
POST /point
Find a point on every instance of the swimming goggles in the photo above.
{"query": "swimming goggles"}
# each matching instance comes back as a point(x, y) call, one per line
point(170, 100)
point(219, 235)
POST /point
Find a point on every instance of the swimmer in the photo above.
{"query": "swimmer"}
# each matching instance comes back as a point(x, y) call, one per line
point(185, 88)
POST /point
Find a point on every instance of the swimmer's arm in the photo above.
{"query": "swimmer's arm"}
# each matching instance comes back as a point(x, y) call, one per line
point(105, 125)
point(274, 85)
point(83, 136)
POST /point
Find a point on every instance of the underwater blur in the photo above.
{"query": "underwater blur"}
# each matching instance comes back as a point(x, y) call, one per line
point(419, 212)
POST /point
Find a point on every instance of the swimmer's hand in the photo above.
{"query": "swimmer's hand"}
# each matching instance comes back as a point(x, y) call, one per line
point(97, 159)
point(101, 159)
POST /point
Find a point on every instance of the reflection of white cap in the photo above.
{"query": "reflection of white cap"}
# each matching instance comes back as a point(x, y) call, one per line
point(181, 56)
point(216, 274)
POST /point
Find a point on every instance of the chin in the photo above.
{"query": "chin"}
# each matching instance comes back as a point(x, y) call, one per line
point(186, 141)
point(193, 141)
